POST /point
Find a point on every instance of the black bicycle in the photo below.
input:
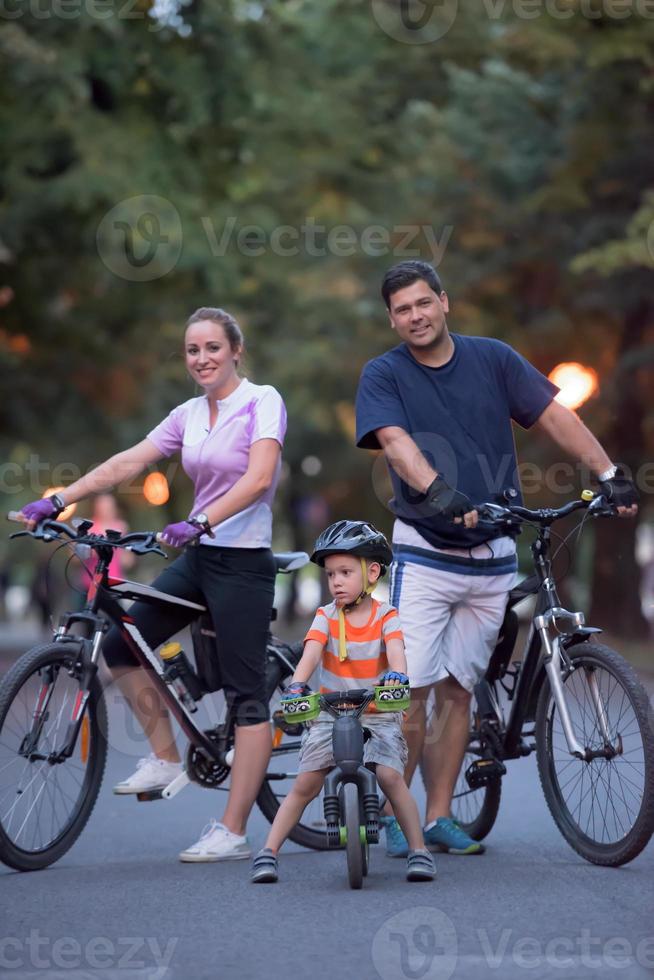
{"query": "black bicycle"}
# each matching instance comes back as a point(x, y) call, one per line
point(53, 715)
point(350, 794)
point(578, 703)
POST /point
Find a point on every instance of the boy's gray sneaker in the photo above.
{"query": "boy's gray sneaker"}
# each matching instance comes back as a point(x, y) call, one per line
point(264, 867)
point(420, 866)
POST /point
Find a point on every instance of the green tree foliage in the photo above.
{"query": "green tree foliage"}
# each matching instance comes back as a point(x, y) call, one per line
point(516, 149)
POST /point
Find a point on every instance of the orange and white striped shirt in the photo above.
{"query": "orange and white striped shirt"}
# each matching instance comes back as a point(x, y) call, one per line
point(366, 646)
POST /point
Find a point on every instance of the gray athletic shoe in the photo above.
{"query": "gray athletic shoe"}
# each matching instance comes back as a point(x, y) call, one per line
point(264, 867)
point(420, 866)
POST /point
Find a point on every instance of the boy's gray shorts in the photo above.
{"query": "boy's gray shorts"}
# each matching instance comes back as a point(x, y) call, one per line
point(386, 745)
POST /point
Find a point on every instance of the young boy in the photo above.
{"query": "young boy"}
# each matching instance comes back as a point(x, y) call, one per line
point(358, 643)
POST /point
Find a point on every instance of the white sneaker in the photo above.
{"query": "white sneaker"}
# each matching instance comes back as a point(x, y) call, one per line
point(217, 843)
point(151, 774)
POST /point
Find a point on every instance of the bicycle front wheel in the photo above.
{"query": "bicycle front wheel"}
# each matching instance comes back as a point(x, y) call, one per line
point(357, 864)
point(603, 807)
point(45, 802)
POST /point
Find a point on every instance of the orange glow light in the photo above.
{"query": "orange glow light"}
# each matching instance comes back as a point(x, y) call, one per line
point(67, 512)
point(155, 489)
point(577, 383)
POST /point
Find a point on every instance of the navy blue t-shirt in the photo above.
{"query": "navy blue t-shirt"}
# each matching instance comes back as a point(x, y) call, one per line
point(460, 416)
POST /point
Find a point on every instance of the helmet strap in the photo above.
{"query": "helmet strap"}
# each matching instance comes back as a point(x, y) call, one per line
point(368, 588)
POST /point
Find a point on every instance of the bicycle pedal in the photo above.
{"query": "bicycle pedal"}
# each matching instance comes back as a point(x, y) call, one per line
point(372, 832)
point(482, 771)
point(149, 794)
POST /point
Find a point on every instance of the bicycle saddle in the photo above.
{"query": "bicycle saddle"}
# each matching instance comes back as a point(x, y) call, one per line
point(289, 561)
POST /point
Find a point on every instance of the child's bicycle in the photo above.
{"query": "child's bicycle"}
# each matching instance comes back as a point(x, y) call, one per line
point(576, 702)
point(350, 795)
point(53, 716)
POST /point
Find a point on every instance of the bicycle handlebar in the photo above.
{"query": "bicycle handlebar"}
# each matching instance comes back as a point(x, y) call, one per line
point(139, 542)
point(511, 516)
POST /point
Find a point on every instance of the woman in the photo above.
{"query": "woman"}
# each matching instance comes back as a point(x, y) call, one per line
point(230, 439)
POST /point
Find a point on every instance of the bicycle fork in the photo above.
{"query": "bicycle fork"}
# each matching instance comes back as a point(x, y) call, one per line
point(347, 740)
point(554, 666)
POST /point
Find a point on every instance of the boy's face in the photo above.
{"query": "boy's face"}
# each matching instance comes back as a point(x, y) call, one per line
point(345, 579)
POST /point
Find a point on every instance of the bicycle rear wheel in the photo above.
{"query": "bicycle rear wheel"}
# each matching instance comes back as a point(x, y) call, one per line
point(45, 804)
point(605, 807)
point(475, 809)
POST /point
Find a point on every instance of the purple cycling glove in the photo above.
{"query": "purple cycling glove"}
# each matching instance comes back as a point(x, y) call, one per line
point(40, 510)
point(180, 534)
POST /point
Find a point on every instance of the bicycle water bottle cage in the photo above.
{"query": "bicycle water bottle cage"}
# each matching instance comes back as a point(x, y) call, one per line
point(392, 698)
point(298, 710)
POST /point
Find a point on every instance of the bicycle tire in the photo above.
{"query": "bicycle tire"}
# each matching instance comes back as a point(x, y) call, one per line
point(475, 810)
point(484, 820)
point(592, 657)
point(353, 846)
point(268, 800)
point(13, 854)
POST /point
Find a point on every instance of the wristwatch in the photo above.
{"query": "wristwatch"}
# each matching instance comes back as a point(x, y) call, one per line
point(57, 502)
point(202, 521)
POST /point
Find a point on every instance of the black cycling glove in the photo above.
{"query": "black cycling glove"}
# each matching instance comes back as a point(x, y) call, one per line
point(446, 501)
point(620, 490)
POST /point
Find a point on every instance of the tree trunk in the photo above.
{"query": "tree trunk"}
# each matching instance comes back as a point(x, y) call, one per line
point(615, 603)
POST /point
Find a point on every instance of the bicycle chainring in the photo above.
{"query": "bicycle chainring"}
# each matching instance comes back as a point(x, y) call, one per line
point(203, 770)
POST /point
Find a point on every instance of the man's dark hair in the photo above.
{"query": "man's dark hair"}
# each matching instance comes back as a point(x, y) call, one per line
point(405, 274)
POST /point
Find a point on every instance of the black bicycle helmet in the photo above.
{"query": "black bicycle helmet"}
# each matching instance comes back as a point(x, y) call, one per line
point(355, 538)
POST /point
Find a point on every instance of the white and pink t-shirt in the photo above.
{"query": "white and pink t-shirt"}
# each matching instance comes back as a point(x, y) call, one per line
point(215, 459)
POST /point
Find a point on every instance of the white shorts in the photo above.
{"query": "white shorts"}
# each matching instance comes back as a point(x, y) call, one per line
point(450, 619)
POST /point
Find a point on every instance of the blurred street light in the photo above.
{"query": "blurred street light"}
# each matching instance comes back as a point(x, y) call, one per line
point(311, 465)
point(577, 383)
point(155, 489)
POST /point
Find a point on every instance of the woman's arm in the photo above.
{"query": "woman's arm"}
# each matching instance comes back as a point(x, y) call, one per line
point(264, 456)
point(120, 467)
point(309, 661)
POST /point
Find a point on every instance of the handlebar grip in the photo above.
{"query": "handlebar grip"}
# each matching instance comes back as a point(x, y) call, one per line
point(16, 516)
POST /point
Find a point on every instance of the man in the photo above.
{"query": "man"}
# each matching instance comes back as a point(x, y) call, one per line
point(440, 406)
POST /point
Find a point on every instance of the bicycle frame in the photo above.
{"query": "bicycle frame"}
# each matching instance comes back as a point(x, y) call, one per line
point(101, 608)
point(544, 655)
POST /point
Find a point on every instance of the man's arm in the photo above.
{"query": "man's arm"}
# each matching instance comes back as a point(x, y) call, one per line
point(406, 458)
point(569, 432)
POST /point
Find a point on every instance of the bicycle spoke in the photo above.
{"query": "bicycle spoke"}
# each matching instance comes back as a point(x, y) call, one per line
point(602, 797)
point(38, 800)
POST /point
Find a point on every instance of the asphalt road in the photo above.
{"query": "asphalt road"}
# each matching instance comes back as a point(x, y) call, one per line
point(120, 905)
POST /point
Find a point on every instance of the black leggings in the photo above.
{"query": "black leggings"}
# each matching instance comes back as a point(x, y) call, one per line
point(237, 585)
